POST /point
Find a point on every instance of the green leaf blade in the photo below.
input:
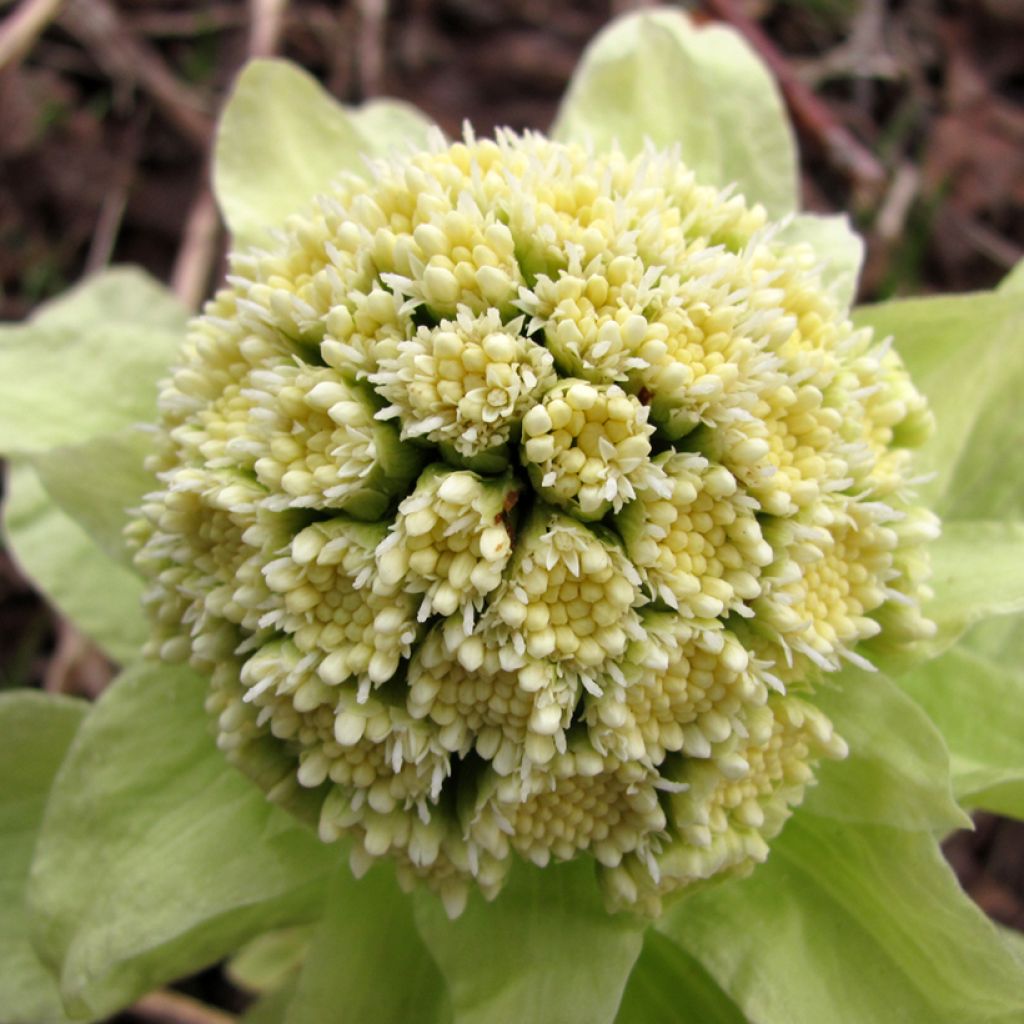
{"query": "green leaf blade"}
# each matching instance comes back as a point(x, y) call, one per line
point(977, 573)
point(270, 961)
point(654, 75)
point(98, 482)
point(118, 295)
point(1014, 280)
point(283, 139)
point(545, 950)
point(386, 975)
point(850, 924)
point(669, 986)
point(389, 125)
point(102, 598)
point(37, 730)
point(88, 363)
point(837, 245)
point(156, 858)
point(979, 706)
point(964, 353)
point(898, 770)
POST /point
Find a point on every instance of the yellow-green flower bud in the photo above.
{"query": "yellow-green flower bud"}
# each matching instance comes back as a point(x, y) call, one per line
point(466, 383)
point(819, 598)
point(197, 540)
point(593, 316)
point(322, 445)
point(582, 800)
point(365, 329)
point(686, 688)
point(328, 598)
point(507, 716)
point(458, 255)
point(724, 810)
point(699, 546)
point(370, 750)
point(450, 542)
point(569, 596)
point(586, 447)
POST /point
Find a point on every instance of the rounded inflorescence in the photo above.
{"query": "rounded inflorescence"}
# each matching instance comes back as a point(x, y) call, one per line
point(509, 495)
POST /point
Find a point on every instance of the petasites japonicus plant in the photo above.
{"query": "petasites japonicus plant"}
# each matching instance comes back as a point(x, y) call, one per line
point(519, 501)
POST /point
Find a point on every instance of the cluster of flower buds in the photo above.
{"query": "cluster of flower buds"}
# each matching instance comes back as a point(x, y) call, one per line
point(507, 495)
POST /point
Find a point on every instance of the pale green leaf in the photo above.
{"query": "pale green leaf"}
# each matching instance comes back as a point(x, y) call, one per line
point(391, 126)
point(1014, 280)
point(668, 986)
point(118, 295)
point(849, 924)
point(1014, 939)
point(979, 706)
point(283, 139)
point(102, 598)
point(36, 730)
point(386, 974)
point(269, 961)
point(56, 392)
point(977, 572)
point(898, 770)
point(988, 750)
point(545, 949)
point(87, 364)
point(97, 482)
point(965, 353)
point(156, 857)
point(837, 245)
point(654, 75)
point(1000, 640)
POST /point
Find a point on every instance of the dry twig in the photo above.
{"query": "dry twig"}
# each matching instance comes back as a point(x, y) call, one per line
point(1003, 252)
point(167, 1007)
point(372, 18)
point(265, 27)
point(187, 24)
point(77, 665)
point(22, 28)
point(814, 116)
point(196, 256)
point(625, 6)
point(195, 259)
point(863, 54)
point(98, 26)
point(108, 222)
point(892, 217)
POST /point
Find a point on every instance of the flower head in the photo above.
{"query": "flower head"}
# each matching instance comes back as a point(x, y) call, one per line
point(506, 497)
point(466, 382)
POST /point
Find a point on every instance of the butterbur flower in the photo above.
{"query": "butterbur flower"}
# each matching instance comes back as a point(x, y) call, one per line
point(449, 541)
point(540, 529)
point(509, 716)
point(686, 687)
point(555, 511)
point(727, 807)
point(465, 383)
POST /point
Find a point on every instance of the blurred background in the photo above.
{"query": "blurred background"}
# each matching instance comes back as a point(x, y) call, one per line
point(910, 117)
point(910, 114)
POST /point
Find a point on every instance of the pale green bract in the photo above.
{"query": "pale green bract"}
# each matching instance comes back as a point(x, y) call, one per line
point(153, 857)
